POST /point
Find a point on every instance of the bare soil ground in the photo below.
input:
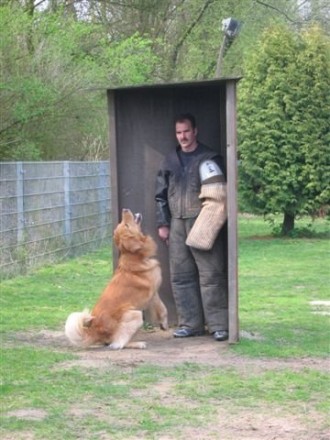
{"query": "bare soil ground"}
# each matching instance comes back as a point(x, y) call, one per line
point(162, 349)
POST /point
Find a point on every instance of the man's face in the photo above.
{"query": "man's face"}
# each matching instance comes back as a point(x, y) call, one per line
point(186, 136)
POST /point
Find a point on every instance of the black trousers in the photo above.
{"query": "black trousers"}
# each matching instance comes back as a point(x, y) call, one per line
point(199, 280)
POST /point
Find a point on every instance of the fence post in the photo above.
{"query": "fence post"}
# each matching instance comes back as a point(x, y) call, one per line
point(20, 201)
point(67, 208)
point(102, 197)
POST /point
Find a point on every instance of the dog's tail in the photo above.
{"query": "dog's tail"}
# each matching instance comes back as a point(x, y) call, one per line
point(76, 326)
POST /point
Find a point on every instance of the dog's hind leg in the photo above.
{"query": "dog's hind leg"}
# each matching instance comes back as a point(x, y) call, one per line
point(130, 323)
point(159, 311)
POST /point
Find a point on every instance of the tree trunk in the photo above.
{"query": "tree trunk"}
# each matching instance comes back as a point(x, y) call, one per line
point(288, 223)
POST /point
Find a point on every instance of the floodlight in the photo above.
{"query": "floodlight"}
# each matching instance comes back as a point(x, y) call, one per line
point(230, 27)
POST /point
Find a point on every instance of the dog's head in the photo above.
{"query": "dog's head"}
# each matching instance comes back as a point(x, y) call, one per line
point(128, 236)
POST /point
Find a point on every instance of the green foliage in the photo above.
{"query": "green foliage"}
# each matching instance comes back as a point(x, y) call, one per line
point(57, 59)
point(198, 41)
point(130, 61)
point(284, 123)
point(55, 71)
point(45, 73)
point(26, 151)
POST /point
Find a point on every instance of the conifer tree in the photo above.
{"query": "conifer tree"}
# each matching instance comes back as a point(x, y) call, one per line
point(284, 125)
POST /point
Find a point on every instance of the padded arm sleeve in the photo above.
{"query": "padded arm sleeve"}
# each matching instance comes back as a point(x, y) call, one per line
point(211, 218)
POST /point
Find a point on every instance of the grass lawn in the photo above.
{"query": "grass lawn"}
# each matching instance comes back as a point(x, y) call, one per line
point(273, 384)
point(279, 279)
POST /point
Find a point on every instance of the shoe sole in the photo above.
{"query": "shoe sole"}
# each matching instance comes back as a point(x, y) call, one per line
point(189, 336)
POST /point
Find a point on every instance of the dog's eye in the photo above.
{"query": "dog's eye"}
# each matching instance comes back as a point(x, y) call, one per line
point(126, 225)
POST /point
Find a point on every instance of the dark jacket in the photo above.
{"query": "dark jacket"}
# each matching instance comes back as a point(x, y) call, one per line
point(178, 188)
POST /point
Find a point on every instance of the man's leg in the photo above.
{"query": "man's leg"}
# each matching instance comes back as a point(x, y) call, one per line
point(184, 279)
point(213, 285)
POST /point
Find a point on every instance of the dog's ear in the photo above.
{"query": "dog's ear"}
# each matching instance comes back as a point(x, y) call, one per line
point(87, 321)
point(116, 238)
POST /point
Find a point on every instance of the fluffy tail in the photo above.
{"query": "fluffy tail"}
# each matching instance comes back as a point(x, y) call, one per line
point(75, 327)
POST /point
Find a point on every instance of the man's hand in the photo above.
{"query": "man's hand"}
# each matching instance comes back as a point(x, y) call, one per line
point(164, 233)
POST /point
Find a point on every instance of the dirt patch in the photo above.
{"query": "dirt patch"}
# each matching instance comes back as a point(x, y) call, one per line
point(162, 349)
point(28, 414)
point(24, 435)
point(252, 425)
point(320, 307)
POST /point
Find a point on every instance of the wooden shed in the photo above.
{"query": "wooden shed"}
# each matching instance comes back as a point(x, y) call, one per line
point(141, 133)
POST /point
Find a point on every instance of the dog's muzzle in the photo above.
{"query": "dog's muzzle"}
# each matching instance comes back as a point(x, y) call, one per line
point(138, 218)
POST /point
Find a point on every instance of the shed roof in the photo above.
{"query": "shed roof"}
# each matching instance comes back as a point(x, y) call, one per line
point(195, 83)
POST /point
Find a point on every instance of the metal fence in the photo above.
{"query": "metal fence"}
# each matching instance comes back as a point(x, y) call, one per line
point(51, 210)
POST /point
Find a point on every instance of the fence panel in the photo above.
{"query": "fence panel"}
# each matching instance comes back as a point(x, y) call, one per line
point(51, 210)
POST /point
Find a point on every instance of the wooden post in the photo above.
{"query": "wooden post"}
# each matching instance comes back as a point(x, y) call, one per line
point(232, 211)
point(114, 166)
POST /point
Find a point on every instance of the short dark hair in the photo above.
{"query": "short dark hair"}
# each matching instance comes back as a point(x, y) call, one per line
point(185, 117)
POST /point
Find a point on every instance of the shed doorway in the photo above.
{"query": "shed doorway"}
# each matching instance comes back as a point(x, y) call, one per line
point(141, 133)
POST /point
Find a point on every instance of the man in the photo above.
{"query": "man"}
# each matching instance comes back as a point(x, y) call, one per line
point(190, 212)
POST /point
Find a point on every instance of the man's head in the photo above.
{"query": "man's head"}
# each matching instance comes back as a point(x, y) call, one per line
point(186, 132)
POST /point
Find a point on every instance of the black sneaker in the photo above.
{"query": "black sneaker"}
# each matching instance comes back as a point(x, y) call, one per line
point(220, 335)
point(184, 332)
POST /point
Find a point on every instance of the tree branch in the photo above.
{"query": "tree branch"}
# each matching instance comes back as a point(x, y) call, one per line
point(189, 31)
point(275, 9)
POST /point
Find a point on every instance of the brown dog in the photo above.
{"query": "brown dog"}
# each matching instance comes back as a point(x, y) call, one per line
point(117, 315)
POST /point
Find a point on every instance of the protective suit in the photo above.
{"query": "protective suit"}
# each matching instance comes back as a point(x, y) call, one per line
point(187, 192)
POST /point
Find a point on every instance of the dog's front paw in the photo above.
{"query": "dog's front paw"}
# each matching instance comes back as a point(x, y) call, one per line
point(164, 325)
